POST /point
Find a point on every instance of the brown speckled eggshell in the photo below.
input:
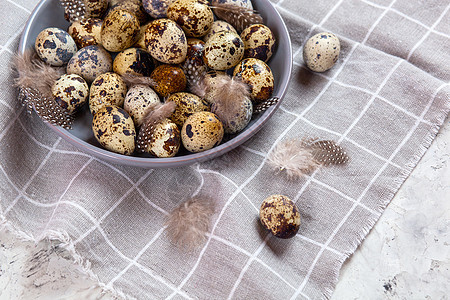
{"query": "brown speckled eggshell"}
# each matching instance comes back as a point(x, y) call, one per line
point(90, 62)
point(133, 61)
point(86, 32)
point(165, 140)
point(95, 8)
point(141, 37)
point(169, 79)
point(120, 30)
point(157, 8)
point(258, 76)
point(201, 131)
point(107, 89)
point(321, 51)
point(137, 101)
point(219, 26)
point(133, 6)
point(223, 50)
point(259, 42)
point(195, 18)
point(71, 92)
point(211, 80)
point(241, 118)
point(280, 215)
point(166, 41)
point(114, 129)
point(55, 46)
point(187, 104)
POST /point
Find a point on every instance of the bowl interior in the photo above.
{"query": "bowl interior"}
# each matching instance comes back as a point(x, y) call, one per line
point(49, 13)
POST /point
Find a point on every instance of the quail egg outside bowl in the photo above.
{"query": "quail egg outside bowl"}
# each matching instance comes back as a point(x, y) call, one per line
point(49, 13)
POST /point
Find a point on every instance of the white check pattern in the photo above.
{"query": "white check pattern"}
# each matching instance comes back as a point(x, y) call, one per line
point(383, 101)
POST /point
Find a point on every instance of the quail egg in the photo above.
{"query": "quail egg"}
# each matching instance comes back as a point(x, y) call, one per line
point(141, 37)
point(211, 80)
point(201, 131)
point(71, 92)
point(169, 79)
point(223, 50)
point(137, 101)
point(120, 30)
point(55, 46)
point(90, 62)
point(95, 9)
point(240, 119)
point(187, 104)
point(107, 89)
point(321, 51)
point(258, 76)
point(157, 8)
point(165, 140)
point(134, 7)
point(259, 42)
point(219, 26)
point(166, 41)
point(133, 61)
point(195, 18)
point(280, 215)
point(86, 32)
point(114, 129)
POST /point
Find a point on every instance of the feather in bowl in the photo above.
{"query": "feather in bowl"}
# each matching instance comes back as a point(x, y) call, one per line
point(49, 13)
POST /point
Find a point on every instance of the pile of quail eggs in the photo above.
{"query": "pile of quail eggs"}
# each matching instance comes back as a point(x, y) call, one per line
point(170, 42)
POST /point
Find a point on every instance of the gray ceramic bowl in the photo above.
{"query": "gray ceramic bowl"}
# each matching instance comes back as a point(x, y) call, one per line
point(48, 13)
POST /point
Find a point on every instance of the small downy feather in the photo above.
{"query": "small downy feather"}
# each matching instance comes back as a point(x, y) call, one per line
point(131, 80)
point(238, 16)
point(74, 10)
point(229, 97)
point(292, 157)
point(188, 223)
point(35, 80)
point(157, 112)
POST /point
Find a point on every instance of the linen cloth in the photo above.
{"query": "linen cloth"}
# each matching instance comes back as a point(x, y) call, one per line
point(383, 101)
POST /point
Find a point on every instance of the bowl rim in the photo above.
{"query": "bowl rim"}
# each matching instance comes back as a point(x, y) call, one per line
point(177, 161)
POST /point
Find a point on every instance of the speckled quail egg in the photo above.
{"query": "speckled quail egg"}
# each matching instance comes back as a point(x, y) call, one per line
point(280, 215)
point(141, 37)
point(89, 62)
point(194, 67)
point(86, 32)
point(202, 131)
point(242, 3)
point(107, 89)
point(195, 18)
point(259, 42)
point(133, 61)
point(169, 79)
point(133, 6)
point(166, 41)
point(95, 8)
point(114, 129)
point(219, 26)
point(157, 8)
point(55, 46)
point(223, 50)
point(137, 101)
point(258, 76)
point(165, 140)
point(241, 118)
point(321, 51)
point(71, 92)
point(120, 30)
point(187, 104)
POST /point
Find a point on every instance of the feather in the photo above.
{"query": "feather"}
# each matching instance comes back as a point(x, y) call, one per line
point(35, 80)
point(47, 108)
point(238, 16)
point(74, 10)
point(201, 88)
point(293, 157)
point(327, 152)
point(188, 223)
point(157, 112)
point(131, 80)
point(261, 107)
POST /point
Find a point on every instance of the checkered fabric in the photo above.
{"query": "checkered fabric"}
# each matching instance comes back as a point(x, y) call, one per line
point(383, 101)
